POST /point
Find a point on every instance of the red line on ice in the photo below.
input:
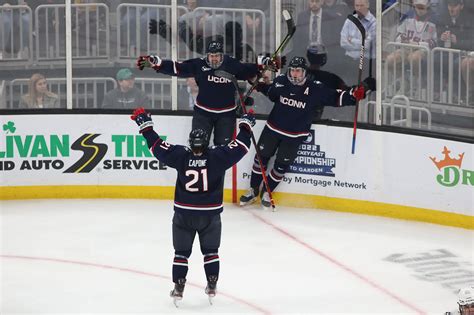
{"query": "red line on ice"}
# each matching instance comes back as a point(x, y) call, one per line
point(339, 264)
point(143, 273)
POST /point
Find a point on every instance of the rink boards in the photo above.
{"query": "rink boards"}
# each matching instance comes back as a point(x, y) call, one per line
point(103, 156)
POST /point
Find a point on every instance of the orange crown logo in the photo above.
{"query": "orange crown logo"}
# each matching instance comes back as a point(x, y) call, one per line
point(448, 161)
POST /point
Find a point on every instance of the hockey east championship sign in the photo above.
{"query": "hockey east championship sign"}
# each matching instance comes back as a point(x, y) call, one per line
point(311, 160)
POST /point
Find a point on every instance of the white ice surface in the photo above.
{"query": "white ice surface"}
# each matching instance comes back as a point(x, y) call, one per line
point(115, 256)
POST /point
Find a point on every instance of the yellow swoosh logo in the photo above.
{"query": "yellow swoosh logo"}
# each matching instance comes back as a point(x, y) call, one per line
point(93, 155)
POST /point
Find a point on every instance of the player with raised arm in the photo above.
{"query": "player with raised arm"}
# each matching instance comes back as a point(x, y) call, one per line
point(296, 99)
point(465, 302)
point(215, 103)
point(198, 193)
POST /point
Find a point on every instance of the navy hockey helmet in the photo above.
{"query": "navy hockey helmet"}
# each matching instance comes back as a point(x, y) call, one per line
point(297, 63)
point(215, 54)
point(317, 55)
point(198, 140)
point(214, 47)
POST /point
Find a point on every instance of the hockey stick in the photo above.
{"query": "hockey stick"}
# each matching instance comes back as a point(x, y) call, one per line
point(370, 59)
point(361, 28)
point(290, 24)
point(233, 79)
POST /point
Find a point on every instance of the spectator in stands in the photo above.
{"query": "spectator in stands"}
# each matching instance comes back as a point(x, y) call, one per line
point(388, 3)
point(232, 39)
point(372, 4)
point(455, 27)
point(38, 94)
point(14, 31)
point(351, 39)
point(253, 22)
point(126, 95)
point(467, 70)
point(131, 44)
point(192, 16)
point(417, 28)
point(318, 25)
point(337, 9)
point(308, 27)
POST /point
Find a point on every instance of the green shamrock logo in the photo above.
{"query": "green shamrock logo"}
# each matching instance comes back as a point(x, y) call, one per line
point(9, 127)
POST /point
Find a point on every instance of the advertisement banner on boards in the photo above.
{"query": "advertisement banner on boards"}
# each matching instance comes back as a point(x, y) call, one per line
point(84, 150)
point(387, 167)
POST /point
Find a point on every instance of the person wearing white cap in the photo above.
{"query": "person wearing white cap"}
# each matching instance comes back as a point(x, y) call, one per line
point(416, 29)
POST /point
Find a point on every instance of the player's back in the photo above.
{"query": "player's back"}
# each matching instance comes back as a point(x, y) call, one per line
point(200, 184)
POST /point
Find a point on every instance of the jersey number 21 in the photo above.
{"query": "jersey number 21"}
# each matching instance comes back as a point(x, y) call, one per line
point(197, 177)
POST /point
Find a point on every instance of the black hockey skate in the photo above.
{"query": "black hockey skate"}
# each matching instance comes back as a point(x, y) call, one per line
point(249, 197)
point(211, 287)
point(177, 292)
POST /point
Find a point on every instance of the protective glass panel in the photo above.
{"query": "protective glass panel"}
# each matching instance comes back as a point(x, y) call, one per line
point(332, 45)
point(32, 55)
point(428, 65)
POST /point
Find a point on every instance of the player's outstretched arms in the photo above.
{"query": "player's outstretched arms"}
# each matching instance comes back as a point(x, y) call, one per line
point(347, 97)
point(171, 155)
point(231, 153)
point(143, 119)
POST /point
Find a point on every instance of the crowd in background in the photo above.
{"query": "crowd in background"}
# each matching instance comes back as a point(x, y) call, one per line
point(428, 23)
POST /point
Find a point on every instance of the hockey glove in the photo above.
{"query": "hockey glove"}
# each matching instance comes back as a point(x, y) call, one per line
point(158, 27)
point(260, 86)
point(249, 101)
point(267, 63)
point(369, 84)
point(153, 26)
point(143, 119)
point(149, 62)
point(358, 92)
point(247, 120)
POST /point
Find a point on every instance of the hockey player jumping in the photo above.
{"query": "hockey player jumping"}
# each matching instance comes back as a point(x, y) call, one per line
point(215, 103)
point(296, 100)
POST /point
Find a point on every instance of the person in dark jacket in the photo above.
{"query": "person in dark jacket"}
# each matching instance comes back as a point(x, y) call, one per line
point(126, 95)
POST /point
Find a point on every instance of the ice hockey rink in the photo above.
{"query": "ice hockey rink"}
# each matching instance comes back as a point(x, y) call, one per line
point(115, 256)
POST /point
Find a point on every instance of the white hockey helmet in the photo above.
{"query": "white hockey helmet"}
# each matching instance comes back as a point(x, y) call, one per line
point(466, 300)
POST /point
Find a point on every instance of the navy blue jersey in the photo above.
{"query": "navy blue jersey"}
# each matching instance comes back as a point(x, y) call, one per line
point(200, 183)
point(329, 79)
point(295, 105)
point(216, 94)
